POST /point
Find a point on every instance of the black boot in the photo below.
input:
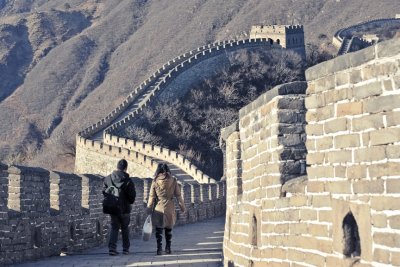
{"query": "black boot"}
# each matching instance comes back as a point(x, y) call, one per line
point(159, 240)
point(168, 238)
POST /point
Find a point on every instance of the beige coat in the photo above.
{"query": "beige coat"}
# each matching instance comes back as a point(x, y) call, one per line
point(165, 188)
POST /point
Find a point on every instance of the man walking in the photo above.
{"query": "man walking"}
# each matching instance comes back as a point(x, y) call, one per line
point(120, 220)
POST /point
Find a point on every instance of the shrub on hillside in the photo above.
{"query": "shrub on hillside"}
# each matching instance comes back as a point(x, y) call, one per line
point(191, 125)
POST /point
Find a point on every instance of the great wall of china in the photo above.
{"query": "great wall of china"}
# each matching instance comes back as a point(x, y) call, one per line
point(345, 209)
point(65, 215)
point(344, 44)
point(102, 138)
point(302, 159)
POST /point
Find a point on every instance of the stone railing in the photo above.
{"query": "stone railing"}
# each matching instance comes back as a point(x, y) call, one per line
point(45, 213)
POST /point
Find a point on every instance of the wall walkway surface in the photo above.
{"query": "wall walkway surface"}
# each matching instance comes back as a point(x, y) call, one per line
point(346, 210)
point(202, 249)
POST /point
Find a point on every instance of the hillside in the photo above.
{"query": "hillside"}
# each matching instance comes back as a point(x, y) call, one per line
point(64, 64)
point(191, 124)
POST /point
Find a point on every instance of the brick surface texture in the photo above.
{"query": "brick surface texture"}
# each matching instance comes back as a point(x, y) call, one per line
point(279, 216)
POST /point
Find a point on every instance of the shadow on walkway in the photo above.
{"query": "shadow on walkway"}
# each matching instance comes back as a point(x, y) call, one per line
point(198, 244)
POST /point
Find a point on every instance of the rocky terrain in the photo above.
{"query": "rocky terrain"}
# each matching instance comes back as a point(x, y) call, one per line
point(64, 64)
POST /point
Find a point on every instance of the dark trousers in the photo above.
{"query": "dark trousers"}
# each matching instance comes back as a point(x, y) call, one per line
point(119, 222)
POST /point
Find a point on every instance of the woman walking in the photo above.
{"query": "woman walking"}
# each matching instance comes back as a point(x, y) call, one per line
point(162, 192)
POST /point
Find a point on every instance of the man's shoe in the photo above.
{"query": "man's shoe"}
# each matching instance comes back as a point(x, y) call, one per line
point(113, 253)
point(159, 252)
point(167, 250)
point(125, 252)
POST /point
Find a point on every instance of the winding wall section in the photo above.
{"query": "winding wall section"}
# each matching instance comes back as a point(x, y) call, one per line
point(344, 43)
point(100, 142)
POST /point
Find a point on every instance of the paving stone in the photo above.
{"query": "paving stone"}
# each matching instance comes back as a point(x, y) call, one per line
point(203, 248)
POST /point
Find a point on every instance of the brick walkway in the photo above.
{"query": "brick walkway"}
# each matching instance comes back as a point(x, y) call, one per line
point(198, 244)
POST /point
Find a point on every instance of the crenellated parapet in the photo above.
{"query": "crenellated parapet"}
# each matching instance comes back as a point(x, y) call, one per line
point(281, 29)
point(99, 146)
point(344, 42)
point(160, 153)
point(49, 212)
point(44, 213)
point(28, 191)
point(178, 70)
point(286, 36)
point(97, 157)
point(264, 151)
point(150, 81)
point(3, 191)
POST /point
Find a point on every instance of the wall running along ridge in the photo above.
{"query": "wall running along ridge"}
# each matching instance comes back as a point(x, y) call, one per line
point(44, 213)
point(89, 143)
point(353, 143)
point(345, 44)
point(109, 119)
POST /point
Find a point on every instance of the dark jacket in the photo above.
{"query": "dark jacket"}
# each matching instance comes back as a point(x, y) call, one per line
point(127, 193)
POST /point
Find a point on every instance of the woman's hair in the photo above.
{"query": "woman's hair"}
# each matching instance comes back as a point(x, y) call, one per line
point(161, 168)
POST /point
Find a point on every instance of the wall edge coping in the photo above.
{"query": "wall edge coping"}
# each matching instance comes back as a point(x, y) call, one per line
point(295, 185)
point(58, 174)
point(17, 169)
point(354, 59)
point(227, 131)
point(292, 88)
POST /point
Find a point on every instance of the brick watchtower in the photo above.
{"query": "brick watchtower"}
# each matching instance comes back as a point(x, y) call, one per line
point(286, 36)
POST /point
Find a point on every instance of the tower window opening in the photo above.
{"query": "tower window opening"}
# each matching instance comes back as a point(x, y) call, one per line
point(254, 232)
point(351, 237)
point(230, 227)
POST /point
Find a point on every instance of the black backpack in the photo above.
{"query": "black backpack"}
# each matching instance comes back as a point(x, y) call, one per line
point(112, 200)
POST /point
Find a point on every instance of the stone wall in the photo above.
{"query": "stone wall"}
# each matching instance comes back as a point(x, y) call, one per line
point(346, 210)
point(98, 158)
point(172, 80)
point(267, 151)
point(144, 86)
point(343, 36)
point(352, 139)
point(158, 153)
point(167, 81)
point(286, 36)
point(45, 213)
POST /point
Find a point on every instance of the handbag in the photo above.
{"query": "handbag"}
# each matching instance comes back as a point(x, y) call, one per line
point(147, 229)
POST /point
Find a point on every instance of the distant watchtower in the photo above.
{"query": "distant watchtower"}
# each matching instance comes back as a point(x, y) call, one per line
point(287, 36)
